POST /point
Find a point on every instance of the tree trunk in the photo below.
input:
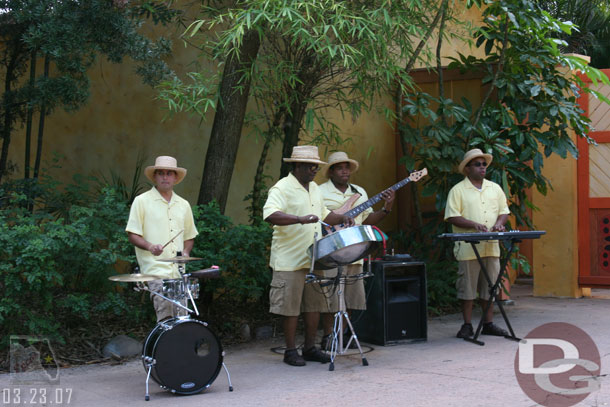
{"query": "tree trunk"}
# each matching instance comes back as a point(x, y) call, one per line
point(43, 113)
point(228, 122)
point(9, 115)
point(292, 128)
point(257, 205)
point(28, 120)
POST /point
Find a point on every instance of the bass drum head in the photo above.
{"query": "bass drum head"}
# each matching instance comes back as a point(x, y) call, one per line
point(188, 355)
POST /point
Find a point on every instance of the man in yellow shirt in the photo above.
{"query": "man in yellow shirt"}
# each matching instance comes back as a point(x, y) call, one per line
point(156, 216)
point(476, 205)
point(336, 191)
point(294, 207)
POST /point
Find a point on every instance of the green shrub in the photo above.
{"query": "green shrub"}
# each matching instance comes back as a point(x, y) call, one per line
point(242, 253)
point(55, 268)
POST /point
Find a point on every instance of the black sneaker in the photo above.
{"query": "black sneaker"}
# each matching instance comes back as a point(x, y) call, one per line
point(494, 330)
point(465, 331)
point(314, 354)
point(292, 358)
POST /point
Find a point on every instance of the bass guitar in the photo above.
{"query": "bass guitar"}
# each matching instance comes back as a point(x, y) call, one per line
point(352, 213)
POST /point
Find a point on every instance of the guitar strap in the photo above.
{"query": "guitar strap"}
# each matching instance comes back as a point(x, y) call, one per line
point(354, 189)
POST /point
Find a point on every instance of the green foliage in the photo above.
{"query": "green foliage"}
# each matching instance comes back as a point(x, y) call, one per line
point(530, 117)
point(54, 269)
point(241, 251)
point(592, 17)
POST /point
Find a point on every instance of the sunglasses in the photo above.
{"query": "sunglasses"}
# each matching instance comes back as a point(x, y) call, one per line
point(478, 164)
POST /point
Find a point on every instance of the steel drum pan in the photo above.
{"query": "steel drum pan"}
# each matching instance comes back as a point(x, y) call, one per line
point(344, 247)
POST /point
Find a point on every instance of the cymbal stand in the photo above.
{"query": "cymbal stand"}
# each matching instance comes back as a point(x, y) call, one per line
point(141, 287)
point(337, 347)
point(186, 286)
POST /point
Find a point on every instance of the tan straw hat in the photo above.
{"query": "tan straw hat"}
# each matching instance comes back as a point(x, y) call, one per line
point(305, 154)
point(471, 155)
point(165, 162)
point(340, 157)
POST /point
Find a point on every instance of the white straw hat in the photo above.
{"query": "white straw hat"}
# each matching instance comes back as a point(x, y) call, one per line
point(305, 154)
point(471, 155)
point(165, 162)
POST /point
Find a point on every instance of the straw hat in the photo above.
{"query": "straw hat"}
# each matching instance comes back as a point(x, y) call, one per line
point(340, 157)
point(165, 162)
point(471, 155)
point(304, 154)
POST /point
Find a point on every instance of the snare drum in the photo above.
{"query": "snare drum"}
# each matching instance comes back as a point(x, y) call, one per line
point(175, 290)
point(185, 355)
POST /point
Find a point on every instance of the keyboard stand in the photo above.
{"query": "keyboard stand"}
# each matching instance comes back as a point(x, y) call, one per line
point(493, 291)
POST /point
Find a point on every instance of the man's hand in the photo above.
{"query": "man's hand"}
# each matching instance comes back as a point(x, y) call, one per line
point(347, 221)
point(155, 249)
point(498, 228)
point(388, 196)
point(480, 227)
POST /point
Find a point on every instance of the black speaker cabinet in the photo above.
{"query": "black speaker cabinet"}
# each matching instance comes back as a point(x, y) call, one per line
point(396, 304)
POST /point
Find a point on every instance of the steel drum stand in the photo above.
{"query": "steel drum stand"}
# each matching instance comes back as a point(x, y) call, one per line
point(337, 347)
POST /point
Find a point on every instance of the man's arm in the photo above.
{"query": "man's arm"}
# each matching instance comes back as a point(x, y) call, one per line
point(188, 246)
point(462, 222)
point(336, 219)
point(283, 219)
point(140, 242)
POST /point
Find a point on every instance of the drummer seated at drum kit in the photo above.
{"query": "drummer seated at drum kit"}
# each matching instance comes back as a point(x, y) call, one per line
point(161, 225)
point(295, 208)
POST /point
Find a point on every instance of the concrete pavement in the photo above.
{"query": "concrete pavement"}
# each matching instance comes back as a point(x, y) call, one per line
point(443, 371)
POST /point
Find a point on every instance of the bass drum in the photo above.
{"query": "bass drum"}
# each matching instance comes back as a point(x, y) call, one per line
point(187, 355)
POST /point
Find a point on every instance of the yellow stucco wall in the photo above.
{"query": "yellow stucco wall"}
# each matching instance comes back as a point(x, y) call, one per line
point(556, 253)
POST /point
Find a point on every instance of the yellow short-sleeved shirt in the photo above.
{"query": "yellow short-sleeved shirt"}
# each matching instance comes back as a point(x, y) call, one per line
point(481, 206)
point(334, 199)
point(157, 221)
point(290, 243)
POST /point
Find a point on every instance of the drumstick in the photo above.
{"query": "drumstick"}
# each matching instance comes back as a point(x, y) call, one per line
point(172, 239)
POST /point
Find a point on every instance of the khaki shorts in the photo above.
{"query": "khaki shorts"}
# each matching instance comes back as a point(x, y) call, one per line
point(355, 297)
point(290, 295)
point(471, 279)
point(163, 308)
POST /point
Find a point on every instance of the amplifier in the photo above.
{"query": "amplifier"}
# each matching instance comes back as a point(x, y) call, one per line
point(396, 304)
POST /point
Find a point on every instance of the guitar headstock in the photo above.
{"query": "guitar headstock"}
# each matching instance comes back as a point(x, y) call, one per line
point(417, 175)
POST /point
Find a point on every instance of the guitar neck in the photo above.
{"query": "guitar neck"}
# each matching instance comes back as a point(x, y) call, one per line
point(372, 201)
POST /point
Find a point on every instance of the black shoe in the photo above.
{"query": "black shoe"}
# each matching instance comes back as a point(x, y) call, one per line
point(491, 329)
point(465, 331)
point(292, 358)
point(314, 354)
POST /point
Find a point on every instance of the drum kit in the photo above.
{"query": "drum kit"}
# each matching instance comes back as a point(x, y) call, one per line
point(181, 354)
point(337, 250)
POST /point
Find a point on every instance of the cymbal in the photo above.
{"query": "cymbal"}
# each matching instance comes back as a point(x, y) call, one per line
point(133, 278)
point(181, 259)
